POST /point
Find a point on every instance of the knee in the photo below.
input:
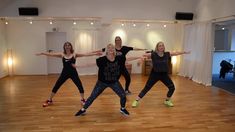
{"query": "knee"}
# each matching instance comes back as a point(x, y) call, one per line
point(171, 87)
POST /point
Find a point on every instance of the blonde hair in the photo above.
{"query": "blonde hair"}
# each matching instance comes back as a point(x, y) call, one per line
point(160, 42)
point(106, 49)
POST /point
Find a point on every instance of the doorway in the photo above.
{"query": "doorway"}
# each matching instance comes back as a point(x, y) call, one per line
point(223, 67)
point(55, 42)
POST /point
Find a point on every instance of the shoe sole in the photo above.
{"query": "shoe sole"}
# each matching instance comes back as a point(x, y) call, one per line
point(81, 114)
point(46, 105)
point(123, 113)
point(134, 106)
point(168, 105)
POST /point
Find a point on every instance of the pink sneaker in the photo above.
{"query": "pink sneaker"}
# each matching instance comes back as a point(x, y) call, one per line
point(83, 101)
point(47, 103)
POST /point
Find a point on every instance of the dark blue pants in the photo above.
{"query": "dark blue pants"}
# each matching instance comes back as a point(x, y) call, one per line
point(100, 87)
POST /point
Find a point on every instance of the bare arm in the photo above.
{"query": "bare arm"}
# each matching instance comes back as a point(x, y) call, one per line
point(97, 51)
point(179, 53)
point(59, 55)
point(138, 49)
point(132, 58)
point(89, 54)
point(84, 66)
point(147, 55)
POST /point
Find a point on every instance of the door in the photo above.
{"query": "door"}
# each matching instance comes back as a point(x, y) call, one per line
point(55, 42)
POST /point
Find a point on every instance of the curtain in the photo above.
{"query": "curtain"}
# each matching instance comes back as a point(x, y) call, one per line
point(86, 41)
point(198, 64)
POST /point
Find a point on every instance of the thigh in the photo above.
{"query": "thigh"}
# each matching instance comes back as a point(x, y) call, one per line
point(117, 88)
point(98, 89)
point(167, 80)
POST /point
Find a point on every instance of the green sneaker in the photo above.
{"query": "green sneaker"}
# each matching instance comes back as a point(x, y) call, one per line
point(135, 103)
point(168, 103)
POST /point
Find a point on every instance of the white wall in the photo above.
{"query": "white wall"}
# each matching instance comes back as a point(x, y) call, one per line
point(106, 9)
point(27, 39)
point(3, 51)
point(211, 9)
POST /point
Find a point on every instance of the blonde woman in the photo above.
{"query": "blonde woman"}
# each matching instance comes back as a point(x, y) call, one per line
point(160, 69)
point(110, 67)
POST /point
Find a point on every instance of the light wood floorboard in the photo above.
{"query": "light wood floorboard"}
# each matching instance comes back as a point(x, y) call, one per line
point(197, 108)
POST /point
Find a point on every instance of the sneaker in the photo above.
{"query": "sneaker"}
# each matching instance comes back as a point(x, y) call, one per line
point(124, 112)
point(47, 103)
point(168, 103)
point(135, 103)
point(83, 101)
point(127, 92)
point(80, 113)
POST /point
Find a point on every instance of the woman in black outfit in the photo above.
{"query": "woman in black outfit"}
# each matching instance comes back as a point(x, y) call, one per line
point(110, 67)
point(122, 51)
point(160, 60)
point(69, 70)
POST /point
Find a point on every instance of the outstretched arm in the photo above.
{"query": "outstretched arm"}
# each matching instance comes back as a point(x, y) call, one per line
point(179, 53)
point(97, 51)
point(138, 49)
point(133, 58)
point(84, 66)
point(89, 54)
point(50, 54)
point(147, 55)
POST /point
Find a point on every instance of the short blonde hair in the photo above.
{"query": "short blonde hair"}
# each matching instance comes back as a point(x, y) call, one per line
point(106, 49)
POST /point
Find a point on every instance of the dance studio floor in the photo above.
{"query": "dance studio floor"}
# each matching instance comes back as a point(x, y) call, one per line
point(197, 108)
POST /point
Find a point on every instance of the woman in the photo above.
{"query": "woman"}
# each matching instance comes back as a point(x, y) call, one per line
point(110, 67)
point(122, 51)
point(69, 71)
point(160, 69)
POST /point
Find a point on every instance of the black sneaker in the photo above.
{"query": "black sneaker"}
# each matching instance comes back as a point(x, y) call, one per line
point(127, 92)
point(124, 112)
point(80, 113)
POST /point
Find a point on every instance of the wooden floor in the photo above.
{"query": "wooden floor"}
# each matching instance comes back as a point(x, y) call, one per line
point(197, 108)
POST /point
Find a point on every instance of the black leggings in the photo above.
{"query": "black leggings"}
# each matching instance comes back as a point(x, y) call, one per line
point(127, 77)
point(63, 77)
point(153, 78)
point(100, 87)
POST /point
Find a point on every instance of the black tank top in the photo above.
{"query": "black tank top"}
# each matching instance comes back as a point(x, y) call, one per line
point(67, 64)
point(160, 64)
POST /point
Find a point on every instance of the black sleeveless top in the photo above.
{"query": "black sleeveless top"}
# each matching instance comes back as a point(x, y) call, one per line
point(67, 64)
point(160, 64)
